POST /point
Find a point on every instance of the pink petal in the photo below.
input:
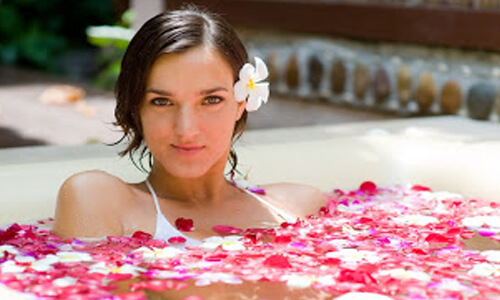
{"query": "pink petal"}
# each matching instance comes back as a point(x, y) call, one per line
point(177, 240)
point(140, 295)
point(256, 190)
point(226, 229)
point(486, 233)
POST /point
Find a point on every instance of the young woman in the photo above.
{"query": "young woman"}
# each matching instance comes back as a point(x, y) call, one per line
point(182, 99)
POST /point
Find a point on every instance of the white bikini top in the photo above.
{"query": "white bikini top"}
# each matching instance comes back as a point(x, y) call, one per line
point(165, 230)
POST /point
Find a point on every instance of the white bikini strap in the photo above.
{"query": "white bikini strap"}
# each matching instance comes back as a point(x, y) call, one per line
point(152, 191)
point(278, 211)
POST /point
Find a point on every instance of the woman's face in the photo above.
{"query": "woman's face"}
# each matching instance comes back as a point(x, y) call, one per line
point(189, 112)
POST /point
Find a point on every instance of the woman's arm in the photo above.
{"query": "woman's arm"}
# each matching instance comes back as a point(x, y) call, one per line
point(88, 206)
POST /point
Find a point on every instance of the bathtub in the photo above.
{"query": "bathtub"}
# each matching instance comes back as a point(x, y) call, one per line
point(444, 153)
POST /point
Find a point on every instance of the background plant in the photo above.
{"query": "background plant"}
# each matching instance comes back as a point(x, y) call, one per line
point(38, 33)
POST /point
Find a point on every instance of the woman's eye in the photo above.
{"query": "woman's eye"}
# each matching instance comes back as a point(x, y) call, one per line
point(212, 100)
point(161, 101)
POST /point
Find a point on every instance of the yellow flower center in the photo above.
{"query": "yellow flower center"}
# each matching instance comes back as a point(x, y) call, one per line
point(250, 84)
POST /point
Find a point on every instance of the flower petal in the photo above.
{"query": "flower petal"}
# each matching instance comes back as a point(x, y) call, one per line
point(261, 72)
point(254, 102)
point(240, 91)
point(246, 73)
point(262, 90)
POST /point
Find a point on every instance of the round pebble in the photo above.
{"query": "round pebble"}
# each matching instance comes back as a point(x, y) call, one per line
point(451, 97)
point(480, 100)
point(272, 65)
point(382, 85)
point(316, 72)
point(426, 91)
point(404, 79)
point(292, 73)
point(361, 80)
point(338, 77)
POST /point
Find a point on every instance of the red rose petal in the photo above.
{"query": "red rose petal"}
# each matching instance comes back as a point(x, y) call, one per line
point(277, 261)
point(184, 224)
point(368, 187)
point(141, 235)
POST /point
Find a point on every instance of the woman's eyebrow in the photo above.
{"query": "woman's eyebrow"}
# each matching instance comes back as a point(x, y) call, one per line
point(202, 92)
point(213, 90)
point(159, 92)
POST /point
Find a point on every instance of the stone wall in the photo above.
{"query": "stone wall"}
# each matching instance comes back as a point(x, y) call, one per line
point(403, 79)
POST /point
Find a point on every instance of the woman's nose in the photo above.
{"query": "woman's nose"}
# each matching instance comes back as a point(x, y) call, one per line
point(186, 125)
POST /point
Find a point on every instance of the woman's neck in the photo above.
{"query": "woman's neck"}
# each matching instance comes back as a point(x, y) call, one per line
point(210, 189)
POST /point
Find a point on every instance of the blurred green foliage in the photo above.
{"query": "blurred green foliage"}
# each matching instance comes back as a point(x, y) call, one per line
point(37, 32)
point(113, 41)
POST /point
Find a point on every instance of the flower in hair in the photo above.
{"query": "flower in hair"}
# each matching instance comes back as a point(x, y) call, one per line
point(250, 86)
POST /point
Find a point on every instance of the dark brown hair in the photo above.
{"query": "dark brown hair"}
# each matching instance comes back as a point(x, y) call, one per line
point(171, 32)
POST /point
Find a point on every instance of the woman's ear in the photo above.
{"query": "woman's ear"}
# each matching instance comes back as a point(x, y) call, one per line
point(241, 108)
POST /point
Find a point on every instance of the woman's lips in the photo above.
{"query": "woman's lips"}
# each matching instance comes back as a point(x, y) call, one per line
point(188, 149)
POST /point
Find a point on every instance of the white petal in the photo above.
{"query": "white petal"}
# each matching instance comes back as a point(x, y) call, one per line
point(362, 296)
point(299, 282)
point(233, 246)
point(246, 73)
point(253, 102)
point(232, 238)
point(262, 89)
point(64, 281)
point(11, 267)
point(8, 248)
point(261, 72)
point(24, 259)
point(240, 91)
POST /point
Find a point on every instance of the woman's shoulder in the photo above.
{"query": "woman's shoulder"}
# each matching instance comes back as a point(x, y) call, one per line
point(94, 178)
point(300, 199)
point(85, 202)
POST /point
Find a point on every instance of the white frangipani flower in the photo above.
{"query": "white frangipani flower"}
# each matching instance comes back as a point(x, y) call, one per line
point(64, 281)
point(73, 256)
point(485, 270)
point(250, 85)
point(150, 254)
point(40, 265)
point(305, 281)
point(104, 268)
point(11, 267)
point(492, 255)
point(45, 263)
point(8, 248)
point(477, 222)
point(298, 281)
point(228, 243)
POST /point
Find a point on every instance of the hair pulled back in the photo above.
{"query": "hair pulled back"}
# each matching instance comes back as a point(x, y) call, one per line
point(171, 32)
